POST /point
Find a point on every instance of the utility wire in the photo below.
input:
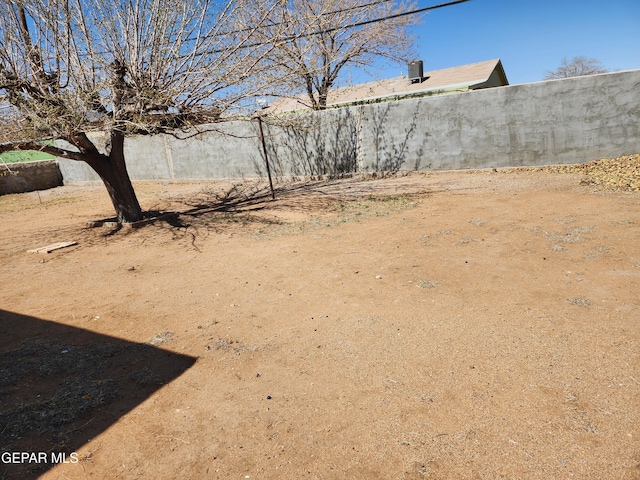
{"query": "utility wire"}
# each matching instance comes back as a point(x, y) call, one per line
point(334, 12)
point(382, 19)
point(247, 29)
point(289, 38)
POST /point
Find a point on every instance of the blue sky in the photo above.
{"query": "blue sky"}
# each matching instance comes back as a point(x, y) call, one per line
point(530, 37)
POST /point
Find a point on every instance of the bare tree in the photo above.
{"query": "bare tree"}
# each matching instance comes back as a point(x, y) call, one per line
point(6, 124)
point(576, 67)
point(71, 67)
point(321, 37)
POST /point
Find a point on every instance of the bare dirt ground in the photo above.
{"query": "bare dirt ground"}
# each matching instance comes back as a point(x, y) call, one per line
point(445, 326)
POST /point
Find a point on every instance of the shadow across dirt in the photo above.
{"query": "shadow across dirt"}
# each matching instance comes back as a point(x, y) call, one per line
point(244, 198)
point(239, 208)
point(242, 204)
point(61, 386)
point(311, 196)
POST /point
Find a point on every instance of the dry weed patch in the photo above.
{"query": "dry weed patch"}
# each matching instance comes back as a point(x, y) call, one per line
point(621, 173)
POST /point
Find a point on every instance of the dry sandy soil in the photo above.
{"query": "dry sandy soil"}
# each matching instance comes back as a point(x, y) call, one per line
point(444, 326)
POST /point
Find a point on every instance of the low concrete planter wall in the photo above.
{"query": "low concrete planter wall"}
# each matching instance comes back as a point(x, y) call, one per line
point(29, 176)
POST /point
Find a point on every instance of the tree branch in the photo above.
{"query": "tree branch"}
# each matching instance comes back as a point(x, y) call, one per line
point(40, 147)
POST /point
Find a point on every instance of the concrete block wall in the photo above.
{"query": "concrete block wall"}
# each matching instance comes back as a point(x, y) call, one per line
point(572, 120)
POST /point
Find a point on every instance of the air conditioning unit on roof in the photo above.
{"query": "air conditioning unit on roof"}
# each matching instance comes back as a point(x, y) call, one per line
point(416, 73)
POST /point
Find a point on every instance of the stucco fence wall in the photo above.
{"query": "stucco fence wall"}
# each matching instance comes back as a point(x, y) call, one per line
point(555, 122)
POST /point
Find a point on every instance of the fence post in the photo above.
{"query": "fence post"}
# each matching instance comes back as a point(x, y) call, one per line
point(266, 157)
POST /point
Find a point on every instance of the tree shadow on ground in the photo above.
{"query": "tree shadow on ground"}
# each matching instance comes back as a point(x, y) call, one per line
point(248, 208)
point(244, 207)
point(241, 204)
point(302, 196)
point(61, 386)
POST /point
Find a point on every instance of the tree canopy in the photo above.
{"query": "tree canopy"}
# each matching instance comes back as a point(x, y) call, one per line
point(576, 67)
point(77, 76)
point(329, 35)
point(70, 67)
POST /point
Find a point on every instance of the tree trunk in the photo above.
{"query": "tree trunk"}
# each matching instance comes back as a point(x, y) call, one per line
point(113, 172)
point(322, 100)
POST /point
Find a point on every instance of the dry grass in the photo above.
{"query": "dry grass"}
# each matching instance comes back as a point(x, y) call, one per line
point(571, 235)
point(374, 205)
point(160, 338)
point(579, 301)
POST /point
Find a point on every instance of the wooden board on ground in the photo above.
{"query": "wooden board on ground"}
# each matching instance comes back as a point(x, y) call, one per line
point(52, 247)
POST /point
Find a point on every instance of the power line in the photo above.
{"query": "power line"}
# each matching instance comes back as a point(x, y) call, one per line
point(345, 27)
point(388, 17)
point(342, 10)
point(248, 29)
point(323, 31)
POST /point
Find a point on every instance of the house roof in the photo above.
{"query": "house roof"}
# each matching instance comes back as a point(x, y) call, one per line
point(462, 78)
